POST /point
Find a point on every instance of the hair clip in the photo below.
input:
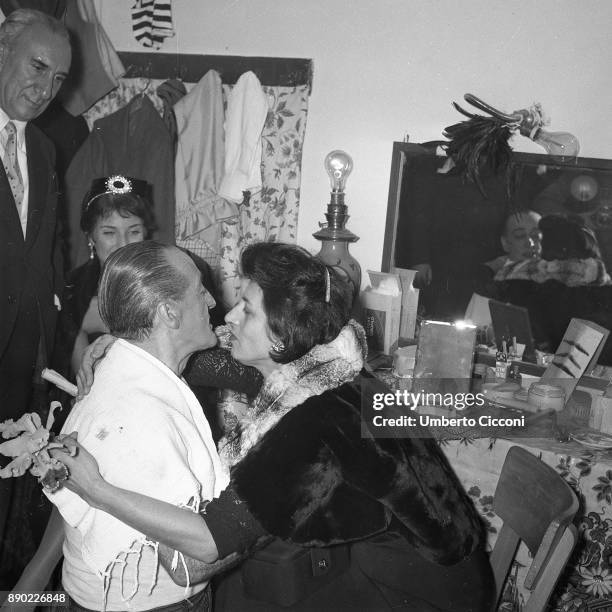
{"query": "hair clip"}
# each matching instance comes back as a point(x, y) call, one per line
point(327, 286)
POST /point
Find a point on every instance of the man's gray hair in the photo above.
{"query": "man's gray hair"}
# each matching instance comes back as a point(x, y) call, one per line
point(135, 280)
point(20, 19)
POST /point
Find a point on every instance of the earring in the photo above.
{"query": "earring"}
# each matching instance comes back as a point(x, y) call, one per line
point(278, 346)
point(92, 249)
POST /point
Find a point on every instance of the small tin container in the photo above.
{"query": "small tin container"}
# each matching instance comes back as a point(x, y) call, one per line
point(502, 366)
point(546, 397)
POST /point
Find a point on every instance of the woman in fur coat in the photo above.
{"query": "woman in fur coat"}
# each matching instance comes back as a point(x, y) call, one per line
point(322, 512)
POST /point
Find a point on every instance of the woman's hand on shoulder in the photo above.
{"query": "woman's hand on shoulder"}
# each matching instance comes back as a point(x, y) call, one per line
point(93, 353)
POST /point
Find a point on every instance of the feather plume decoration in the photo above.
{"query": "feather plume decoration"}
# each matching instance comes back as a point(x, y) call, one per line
point(480, 144)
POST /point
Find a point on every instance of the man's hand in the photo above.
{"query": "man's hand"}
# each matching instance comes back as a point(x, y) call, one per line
point(94, 352)
point(423, 276)
point(84, 477)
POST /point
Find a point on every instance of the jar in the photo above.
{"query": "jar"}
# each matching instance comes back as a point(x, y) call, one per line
point(403, 362)
point(515, 372)
point(546, 397)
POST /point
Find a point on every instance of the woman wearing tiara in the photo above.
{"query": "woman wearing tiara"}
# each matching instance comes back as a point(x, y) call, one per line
point(116, 211)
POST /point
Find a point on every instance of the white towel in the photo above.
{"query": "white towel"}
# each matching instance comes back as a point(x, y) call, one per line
point(148, 433)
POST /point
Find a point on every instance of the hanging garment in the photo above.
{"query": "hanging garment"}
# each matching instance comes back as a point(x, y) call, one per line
point(152, 22)
point(199, 166)
point(247, 109)
point(95, 65)
point(121, 96)
point(133, 141)
point(271, 213)
point(108, 56)
point(170, 92)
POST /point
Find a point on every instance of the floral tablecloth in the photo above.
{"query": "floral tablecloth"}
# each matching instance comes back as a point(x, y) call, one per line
point(586, 584)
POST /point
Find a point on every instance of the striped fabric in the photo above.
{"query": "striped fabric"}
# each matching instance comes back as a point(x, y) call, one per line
point(152, 22)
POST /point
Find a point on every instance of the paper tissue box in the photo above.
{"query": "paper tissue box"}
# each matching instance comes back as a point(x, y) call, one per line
point(381, 305)
point(410, 302)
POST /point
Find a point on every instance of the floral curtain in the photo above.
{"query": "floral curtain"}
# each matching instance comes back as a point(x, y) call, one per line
point(272, 213)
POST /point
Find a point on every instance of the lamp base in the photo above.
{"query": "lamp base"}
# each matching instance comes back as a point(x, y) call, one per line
point(335, 254)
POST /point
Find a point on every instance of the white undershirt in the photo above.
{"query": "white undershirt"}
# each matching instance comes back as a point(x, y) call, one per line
point(87, 588)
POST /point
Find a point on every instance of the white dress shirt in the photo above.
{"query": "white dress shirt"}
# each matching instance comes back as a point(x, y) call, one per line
point(22, 160)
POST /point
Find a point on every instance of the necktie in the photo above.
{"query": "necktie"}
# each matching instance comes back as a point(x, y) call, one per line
point(11, 164)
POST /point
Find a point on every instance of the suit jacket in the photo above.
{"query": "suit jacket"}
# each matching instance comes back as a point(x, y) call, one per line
point(31, 269)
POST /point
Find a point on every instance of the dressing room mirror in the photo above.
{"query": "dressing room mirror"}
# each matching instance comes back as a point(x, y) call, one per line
point(444, 225)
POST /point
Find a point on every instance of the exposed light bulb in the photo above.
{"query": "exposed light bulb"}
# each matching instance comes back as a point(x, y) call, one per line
point(338, 165)
point(562, 145)
point(584, 188)
point(333, 234)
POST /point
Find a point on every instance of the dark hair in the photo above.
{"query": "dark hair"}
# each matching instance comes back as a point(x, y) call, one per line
point(567, 238)
point(294, 284)
point(104, 205)
point(20, 19)
point(135, 279)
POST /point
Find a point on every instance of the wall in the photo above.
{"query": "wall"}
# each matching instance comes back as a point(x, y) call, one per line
point(387, 68)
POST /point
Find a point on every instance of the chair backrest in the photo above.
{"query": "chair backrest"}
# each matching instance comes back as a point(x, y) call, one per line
point(536, 506)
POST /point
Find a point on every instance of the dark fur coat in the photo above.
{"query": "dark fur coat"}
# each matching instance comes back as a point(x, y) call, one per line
point(314, 479)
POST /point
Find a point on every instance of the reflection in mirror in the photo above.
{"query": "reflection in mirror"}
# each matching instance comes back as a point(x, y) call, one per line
point(552, 261)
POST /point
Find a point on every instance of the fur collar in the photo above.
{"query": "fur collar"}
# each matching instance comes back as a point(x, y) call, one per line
point(570, 272)
point(324, 367)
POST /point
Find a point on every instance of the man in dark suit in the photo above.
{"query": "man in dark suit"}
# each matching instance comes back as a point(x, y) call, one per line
point(34, 60)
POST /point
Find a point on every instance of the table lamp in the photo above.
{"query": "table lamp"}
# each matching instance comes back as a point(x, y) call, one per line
point(334, 236)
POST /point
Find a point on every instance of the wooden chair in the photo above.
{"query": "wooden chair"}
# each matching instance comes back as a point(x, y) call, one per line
point(537, 507)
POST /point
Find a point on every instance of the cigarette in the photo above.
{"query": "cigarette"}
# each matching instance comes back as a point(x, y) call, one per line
point(59, 381)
